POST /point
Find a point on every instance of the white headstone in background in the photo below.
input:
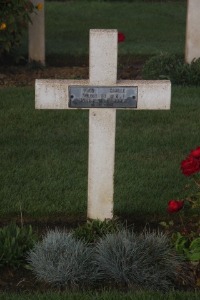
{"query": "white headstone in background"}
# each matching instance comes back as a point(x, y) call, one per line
point(192, 47)
point(37, 34)
point(102, 95)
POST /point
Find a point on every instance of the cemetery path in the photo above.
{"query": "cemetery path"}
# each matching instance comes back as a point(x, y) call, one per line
point(25, 76)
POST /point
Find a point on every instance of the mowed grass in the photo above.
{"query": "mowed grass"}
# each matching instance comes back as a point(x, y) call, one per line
point(44, 156)
point(115, 295)
point(149, 27)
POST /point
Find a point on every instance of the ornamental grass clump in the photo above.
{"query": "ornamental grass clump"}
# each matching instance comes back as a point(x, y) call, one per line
point(144, 261)
point(60, 259)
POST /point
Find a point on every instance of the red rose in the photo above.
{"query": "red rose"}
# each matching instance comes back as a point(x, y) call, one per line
point(196, 153)
point(190, 166)
point(121, 37)
point(174, 206)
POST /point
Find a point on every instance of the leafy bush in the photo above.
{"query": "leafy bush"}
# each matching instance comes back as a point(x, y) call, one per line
point(146, 260)
point(60, 259)
point(189, 245)
point(14, 18)
point(187, 241)
point(93, 230)
point(15, 242)
point(172, 67)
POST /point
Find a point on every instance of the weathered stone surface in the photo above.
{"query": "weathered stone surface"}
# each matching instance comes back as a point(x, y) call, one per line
point(37, 35)
point(53, 93)
point(192, 47)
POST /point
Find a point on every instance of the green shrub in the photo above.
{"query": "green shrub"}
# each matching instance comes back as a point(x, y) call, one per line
point(14, 18)
point(93, 230)
point(145, 261)
point(15, 242)
point(172, 67)
point(60, 259)
point(187, 245)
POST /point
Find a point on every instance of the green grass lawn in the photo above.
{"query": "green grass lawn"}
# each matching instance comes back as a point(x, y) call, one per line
point(44, 156)
point(150, 27)
point(104, 296)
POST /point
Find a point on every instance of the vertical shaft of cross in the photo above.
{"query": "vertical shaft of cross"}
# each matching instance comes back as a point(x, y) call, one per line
point(37, 35)
point(192, 45)
point(102, 124)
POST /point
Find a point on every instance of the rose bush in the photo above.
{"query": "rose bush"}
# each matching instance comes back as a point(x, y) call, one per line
point(121, 37)
point(14, 18)
point(190, 166)
point(175, 205)
point(185, 234)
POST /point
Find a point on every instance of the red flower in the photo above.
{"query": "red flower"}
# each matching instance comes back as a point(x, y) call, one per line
point(121, 37)
point(196, 153)
point(174, 206)
point(190, 166)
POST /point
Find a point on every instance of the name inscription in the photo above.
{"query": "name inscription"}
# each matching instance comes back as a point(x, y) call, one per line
point(103, 97)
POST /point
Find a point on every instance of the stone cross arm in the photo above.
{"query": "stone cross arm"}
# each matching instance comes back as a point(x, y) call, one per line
point(151, 94)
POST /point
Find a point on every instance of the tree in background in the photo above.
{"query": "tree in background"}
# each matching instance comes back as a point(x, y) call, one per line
point(14, 18)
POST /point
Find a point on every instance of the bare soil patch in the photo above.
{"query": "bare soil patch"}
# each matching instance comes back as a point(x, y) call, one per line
point(25, 75)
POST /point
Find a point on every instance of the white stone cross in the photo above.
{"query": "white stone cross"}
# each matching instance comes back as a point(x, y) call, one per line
point(192, 45)
point(102, 94)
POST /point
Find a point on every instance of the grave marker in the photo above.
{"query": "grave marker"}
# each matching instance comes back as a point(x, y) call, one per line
point(37, 34)
point(102, 94)
point(192, 47)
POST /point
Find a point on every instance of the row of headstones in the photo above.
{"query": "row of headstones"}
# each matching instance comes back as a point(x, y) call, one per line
point(192, 47)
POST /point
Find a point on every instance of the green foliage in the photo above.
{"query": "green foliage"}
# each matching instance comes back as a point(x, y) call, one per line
point(15, 241)
point(172, 67)
point(93, 230)
point(60, 259)
point(160, 66)
point(14, 16)
point(189, 246)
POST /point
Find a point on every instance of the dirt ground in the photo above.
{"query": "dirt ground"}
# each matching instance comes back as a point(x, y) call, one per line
point(25, 75)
